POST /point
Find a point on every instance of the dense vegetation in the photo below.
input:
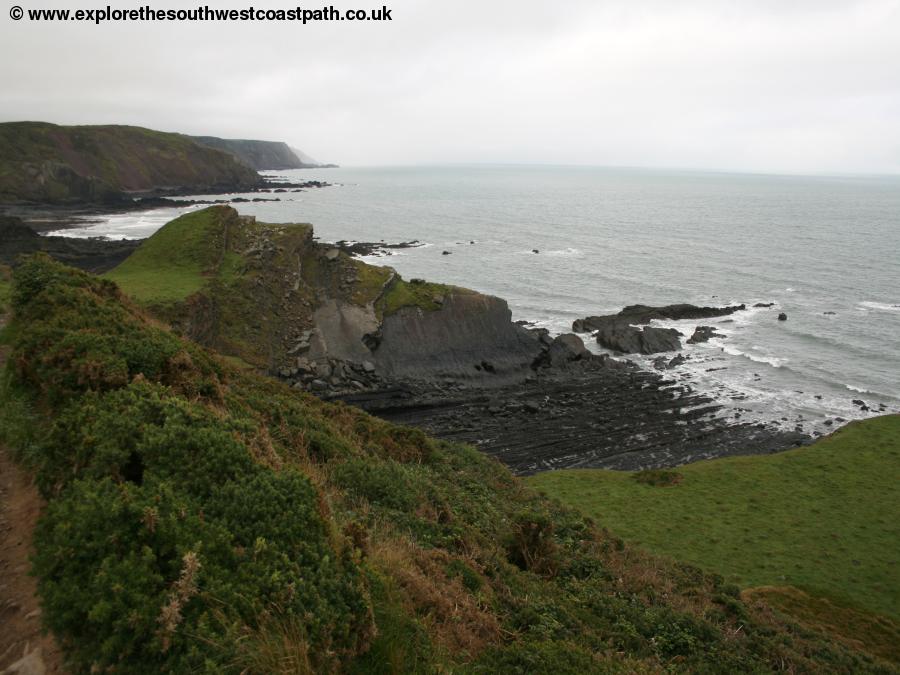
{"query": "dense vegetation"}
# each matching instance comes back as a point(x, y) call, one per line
point(823, 519)
point(46, 163)
point(201, 518)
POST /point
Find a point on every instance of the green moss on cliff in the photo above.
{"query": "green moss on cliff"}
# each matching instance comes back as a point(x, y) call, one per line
point(202, 518)
point(422, 294)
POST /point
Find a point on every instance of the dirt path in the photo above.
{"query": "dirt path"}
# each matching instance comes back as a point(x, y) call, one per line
point(23, 648)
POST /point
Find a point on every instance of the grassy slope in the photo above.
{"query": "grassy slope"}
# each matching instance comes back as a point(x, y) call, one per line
point(176, 261)
point(49, 163)
point(203, 519)
point(825, 518)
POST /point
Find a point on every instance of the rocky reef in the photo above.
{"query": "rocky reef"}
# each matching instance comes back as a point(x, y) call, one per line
point(620, 332)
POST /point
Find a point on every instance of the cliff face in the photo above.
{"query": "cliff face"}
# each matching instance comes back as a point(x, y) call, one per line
point(272, 296)
point(46, 163)
point(471, 336)
point(259, 155)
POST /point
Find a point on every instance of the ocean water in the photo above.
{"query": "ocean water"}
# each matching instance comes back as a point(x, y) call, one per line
point(613, 237)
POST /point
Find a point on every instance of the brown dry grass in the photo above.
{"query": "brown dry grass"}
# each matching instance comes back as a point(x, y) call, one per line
point(457, 620)
point(858, 629)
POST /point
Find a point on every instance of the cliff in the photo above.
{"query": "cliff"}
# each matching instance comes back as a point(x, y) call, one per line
point(272, 296)
point(259, 155)
point(203, 518)
point(50, 164)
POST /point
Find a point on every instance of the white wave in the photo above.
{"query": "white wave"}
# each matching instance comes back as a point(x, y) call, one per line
point(564, 252)
point(880, 306)
point(773, 361)
point(857, 389)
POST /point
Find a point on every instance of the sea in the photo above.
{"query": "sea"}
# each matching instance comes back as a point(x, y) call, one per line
point(562, 243)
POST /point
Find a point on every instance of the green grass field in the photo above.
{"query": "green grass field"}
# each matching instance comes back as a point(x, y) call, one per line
point(824, 518)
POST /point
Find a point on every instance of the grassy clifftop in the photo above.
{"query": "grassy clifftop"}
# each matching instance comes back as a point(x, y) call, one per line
point(248, 288)
point(822, 519)
point(201, 518)
point(46, 163)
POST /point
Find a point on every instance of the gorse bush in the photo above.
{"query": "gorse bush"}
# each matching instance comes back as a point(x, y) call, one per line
point(204, 519)
point(144, 477)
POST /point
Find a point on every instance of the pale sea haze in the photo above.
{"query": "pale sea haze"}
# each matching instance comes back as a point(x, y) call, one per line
point(613, 237)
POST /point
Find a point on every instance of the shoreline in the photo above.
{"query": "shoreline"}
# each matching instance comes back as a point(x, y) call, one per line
point(585, 411)
point(51, 217)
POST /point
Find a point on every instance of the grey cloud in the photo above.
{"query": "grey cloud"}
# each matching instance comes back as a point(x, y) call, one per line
point(765, 86)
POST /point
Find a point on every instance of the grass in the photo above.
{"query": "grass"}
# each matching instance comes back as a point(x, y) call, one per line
point(824, 518)
point(855, 628)
point(205, 518)
point(175, 262)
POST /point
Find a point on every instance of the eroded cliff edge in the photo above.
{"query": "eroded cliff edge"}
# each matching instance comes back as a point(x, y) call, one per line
point(444, 358)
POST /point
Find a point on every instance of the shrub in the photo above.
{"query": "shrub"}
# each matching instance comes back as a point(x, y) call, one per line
point(384, 484)
point(530, 545)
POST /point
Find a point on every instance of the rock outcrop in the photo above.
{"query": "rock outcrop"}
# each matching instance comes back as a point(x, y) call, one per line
point(703, 334)
point(471, 337)
point(620, 332)
point(93, 255)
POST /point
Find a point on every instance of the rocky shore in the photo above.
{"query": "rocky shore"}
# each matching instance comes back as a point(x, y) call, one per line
point(574, 409)
point(49, 217)
point(620, 332)
point(446, 359)
point(93, 255)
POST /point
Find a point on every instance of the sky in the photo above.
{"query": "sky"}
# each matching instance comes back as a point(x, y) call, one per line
point(781, 86)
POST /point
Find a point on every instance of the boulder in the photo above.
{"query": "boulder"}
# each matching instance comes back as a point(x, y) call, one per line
point(632, 340)
point(565, 348)
point(676, 361)
point(703, 334)
point(782, 316)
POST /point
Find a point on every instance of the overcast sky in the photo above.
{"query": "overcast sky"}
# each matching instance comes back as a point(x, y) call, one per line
point(758, 85)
